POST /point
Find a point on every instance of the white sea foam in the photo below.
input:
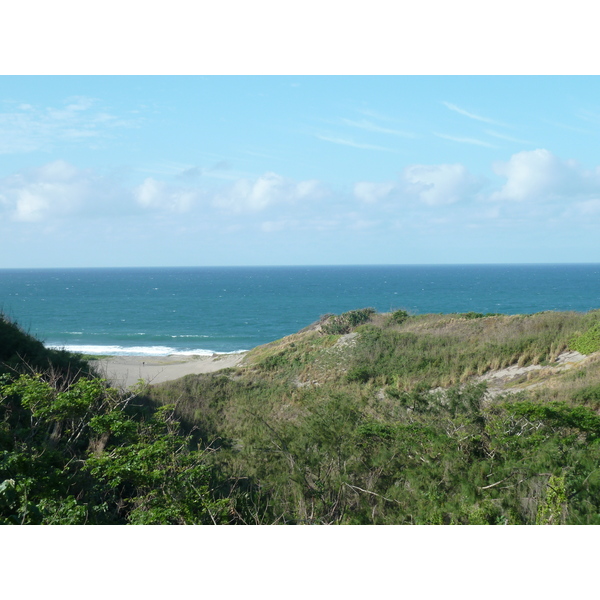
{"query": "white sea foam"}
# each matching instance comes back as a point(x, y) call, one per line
point(137, 350)
point(189, 336)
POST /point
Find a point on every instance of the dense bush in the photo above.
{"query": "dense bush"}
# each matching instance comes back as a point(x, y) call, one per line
point(587, 342)
point(344, 323)
point(398, 317)
point(79, 454)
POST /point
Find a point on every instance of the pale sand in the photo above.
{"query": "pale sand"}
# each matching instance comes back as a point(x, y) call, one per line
point(125, 371)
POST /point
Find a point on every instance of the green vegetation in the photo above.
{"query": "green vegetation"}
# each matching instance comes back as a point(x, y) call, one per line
point(588, 341)
point(19, 350)
point(345, 322)
point(362, 418)
point(390, 426)
point(444, 350)
point(398, 317)
point(75, 451)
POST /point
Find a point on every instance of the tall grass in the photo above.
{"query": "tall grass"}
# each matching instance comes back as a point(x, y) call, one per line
point(21, 352)
point(344, 450)
point(443, 350)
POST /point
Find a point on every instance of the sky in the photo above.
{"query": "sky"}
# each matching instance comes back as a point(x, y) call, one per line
point(269, 134)
point(285, 166)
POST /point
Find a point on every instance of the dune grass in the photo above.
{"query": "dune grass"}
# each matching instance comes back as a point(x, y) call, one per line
point(444, 350)
point(386, 426)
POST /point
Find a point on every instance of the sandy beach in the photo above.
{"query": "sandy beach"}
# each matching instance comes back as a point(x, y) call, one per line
point(125, 371)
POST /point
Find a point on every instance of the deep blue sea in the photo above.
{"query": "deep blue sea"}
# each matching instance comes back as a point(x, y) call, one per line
point(227, 309)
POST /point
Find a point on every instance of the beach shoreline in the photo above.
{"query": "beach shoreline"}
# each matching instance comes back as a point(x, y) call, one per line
point(126, 371)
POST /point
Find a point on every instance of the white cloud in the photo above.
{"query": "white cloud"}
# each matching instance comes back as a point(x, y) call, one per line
point(35, 195)
point(268, 190)
point(441, 184)
point(149, 193)
point(432, 185)
point(539, 175)
point(157, 195)
point(370, 192)
point(32, 206)
point(57, 190)
point(79, 103)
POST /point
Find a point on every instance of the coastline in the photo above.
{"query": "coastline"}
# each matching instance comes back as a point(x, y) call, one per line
point(125, 371)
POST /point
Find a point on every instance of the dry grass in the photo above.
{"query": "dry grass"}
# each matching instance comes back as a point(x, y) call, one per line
point(444, 350)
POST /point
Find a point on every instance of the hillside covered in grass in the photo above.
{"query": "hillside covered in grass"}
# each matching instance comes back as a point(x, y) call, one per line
point(20, 351)
point(388, 418)
point(361, 418)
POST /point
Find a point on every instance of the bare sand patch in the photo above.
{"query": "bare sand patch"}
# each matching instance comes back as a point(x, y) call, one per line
point(126, 371)
point(498, 381)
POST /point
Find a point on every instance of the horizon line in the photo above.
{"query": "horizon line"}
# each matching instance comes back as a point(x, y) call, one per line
point(283, 266)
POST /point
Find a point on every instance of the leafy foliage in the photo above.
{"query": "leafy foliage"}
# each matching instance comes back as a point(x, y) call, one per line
point(587, 342)
point(551, 511)
point(398, 317)
point(80, 453)
point(157, 477)
point(344, 323)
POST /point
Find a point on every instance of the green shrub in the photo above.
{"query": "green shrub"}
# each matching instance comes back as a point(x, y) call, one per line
point(587, 395)
point(560, 414)
point(398, 317)
point(552, 510)
point(273, 362)
point(587, 342)
point(344, 323)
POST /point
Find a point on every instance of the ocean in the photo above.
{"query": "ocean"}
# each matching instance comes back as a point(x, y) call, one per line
point(203, 310)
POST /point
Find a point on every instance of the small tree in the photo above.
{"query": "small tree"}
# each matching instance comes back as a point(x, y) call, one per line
point(553, 509)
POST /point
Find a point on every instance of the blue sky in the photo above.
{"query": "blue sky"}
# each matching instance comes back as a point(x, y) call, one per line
point(266, 170)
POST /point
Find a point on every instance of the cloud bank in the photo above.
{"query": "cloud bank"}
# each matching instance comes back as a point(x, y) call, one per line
point(432, 185)
point(59, 189)
point(532, 182)
point(271, 189)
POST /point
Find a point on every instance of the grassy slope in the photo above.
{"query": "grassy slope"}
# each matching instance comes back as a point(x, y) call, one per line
point(326, 428)
point(21, 352)
point(427, 350)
